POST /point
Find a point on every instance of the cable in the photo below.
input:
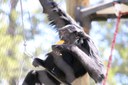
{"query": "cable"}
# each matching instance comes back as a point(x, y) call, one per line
point(22, 65)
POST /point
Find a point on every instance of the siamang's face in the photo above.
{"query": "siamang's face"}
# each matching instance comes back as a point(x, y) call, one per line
point(68, 37)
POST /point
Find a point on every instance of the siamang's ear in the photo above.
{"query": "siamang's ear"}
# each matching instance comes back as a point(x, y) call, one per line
point(31, 79)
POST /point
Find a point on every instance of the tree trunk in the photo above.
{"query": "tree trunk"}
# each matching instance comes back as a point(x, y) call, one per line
point(12, 18)
point(72, 5)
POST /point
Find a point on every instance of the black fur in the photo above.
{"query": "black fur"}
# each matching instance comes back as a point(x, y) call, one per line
point(39, 78)
point(31, 79)
point(78, 51)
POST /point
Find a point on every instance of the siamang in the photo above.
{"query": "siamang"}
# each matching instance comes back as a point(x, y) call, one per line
point(76, 56)
point(62, 64)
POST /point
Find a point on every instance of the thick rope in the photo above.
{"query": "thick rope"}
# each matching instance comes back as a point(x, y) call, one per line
point(113, 44)
point(112, 48)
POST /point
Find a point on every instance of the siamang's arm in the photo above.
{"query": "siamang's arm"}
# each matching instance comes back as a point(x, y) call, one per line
point(93, 67)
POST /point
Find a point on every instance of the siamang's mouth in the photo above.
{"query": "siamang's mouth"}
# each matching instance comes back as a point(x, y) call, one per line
point(60, 42)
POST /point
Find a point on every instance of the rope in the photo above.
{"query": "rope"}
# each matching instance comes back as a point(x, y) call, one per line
point(24, 44)
point(22, 65)
point(113, 44)
point(112, 48)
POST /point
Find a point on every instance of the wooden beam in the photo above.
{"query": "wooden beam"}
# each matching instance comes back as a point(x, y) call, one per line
point(104, 17)
point(93, 9)
point(102, 11)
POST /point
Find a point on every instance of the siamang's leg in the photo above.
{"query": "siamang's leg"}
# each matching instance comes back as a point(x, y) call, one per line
point(62, 65)
point(39, 78)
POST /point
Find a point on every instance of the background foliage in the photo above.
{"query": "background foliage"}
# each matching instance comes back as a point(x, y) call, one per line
point(40, 37)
